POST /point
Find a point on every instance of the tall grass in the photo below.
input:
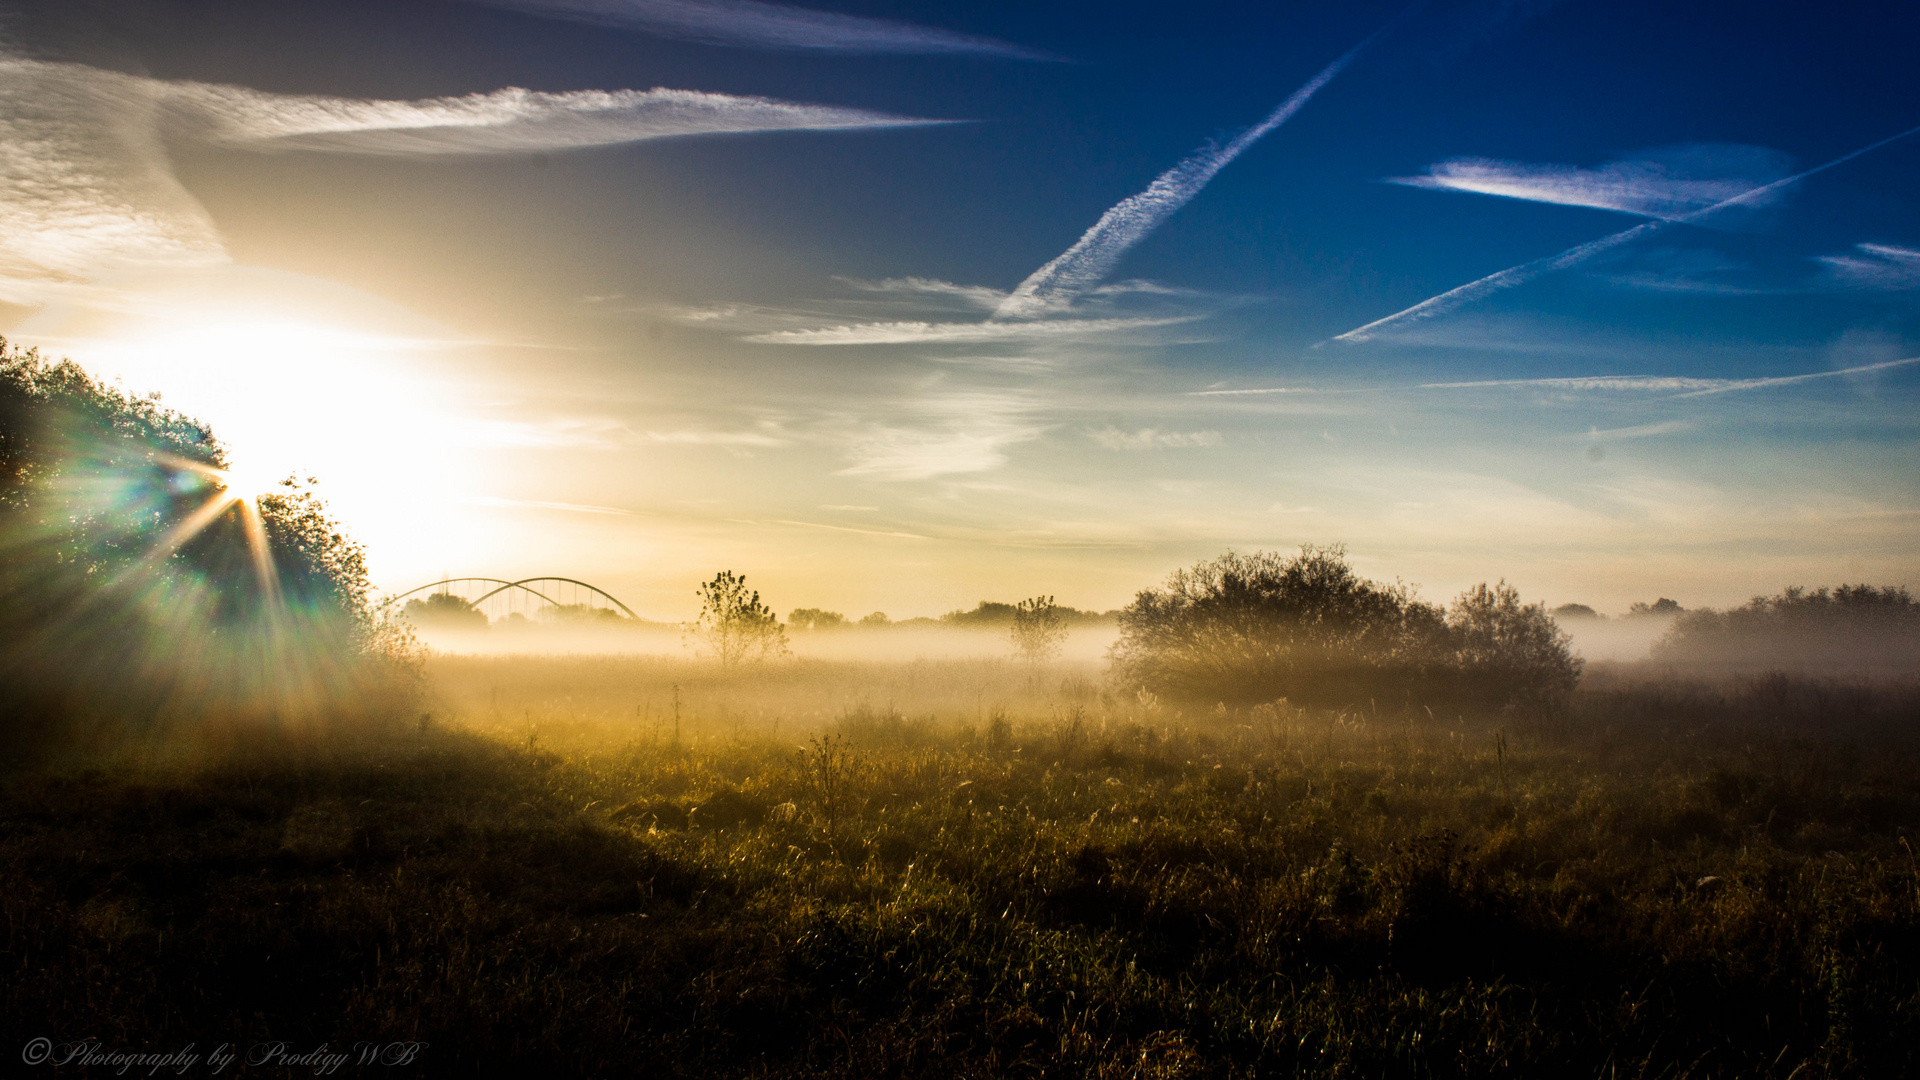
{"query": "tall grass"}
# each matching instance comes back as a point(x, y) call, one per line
point(968, 869)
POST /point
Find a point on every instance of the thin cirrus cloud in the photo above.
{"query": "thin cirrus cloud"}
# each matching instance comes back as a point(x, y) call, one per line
point(1667, 184)
point(942, 434)
point(1113, 438)
point(1679, 386)
point(1875, 266)
point(532, 504)
point(920, 333)
point(756, 25)
point(509, 121)
point(1453, 299)
point(1640, 431)
point(86, 188)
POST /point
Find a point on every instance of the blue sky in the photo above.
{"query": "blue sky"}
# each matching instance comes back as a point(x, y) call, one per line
point(632, 290)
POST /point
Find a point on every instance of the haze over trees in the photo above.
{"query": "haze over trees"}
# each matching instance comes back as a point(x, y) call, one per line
point(1853, 628)
point(1263, 626)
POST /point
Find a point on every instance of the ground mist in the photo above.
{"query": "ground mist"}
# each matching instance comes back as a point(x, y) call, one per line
point(982, 868)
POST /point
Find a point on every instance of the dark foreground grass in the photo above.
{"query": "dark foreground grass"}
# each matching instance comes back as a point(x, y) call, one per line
point(1664, 881)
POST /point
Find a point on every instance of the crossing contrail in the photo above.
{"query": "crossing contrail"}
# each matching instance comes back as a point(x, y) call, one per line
point(1098, 250)
point(1453, 299)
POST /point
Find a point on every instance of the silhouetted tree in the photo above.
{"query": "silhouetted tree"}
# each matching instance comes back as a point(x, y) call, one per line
point(734, 625)
point(1038, 630)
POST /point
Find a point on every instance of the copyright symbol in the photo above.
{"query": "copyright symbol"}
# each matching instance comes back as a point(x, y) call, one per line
point(37, 1050)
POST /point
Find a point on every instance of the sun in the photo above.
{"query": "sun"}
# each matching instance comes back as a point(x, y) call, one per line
point(248, 481)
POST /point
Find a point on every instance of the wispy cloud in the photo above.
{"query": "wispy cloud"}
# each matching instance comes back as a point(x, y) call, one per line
point(1092, 257)
point(509, 121)
point(1667, 184)
point(945, 433)
point(1640, 431)
point(1152, 439)
point(534, 504)
point(890, 533)
point(84, 184)
point(1680, 386)
point(1789, 380)
point(752, 24)
point(912, 333)
point(982, 297)
point(1679, 270)
point(1256, 391)
point(713, 438)
point(1453, 299)
point(86, 188)
point(1630, 384)
point(1875, 266)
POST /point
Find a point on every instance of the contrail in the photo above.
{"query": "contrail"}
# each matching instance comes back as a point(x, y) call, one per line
point(1453, 299)
point(1094, 255)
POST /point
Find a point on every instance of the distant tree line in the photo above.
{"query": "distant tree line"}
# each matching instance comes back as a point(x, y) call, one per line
point(1662, 608)
point(986, 615)
point(1852, 628)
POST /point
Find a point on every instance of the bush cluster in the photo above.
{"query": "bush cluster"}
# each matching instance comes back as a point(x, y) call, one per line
point(1854, 628)
point(1261, 626)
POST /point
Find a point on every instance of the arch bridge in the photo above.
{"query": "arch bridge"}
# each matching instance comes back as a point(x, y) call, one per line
point(499, 599)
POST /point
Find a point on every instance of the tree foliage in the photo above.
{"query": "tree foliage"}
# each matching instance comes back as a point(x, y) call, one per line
point(1264, 626)
point(134, 584)
point(1498, 642)
point(734, 625)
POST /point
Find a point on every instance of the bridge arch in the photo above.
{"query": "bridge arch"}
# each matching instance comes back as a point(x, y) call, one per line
point(498, 598)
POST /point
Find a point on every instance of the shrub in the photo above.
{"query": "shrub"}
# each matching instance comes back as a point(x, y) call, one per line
point(1264, 626)
point(1503, 648)
point(1259, 627)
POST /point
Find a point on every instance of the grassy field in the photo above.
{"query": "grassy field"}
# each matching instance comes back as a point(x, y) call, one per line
point(647, 867)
